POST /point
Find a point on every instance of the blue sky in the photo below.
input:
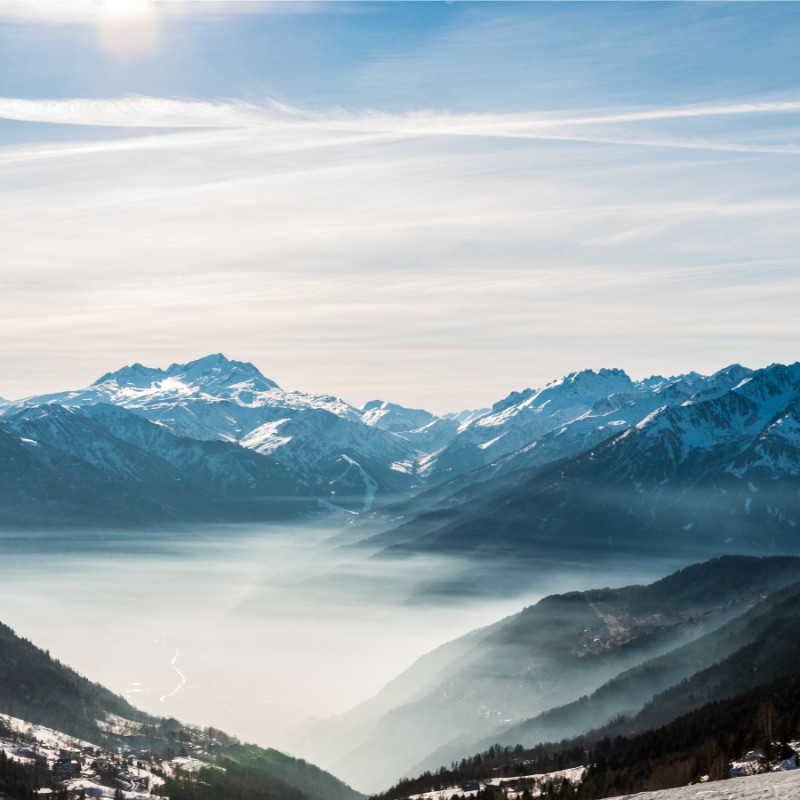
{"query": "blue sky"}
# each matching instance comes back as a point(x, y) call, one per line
point(431, 203)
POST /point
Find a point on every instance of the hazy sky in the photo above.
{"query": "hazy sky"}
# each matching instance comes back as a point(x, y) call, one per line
point(428, 203)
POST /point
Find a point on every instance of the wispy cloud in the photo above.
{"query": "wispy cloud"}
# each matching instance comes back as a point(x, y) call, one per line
point(138, 112)
point(276, 119)
point(442, 239)
point(707, 110)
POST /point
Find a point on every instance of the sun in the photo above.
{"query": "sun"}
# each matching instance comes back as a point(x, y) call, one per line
point(128, 29)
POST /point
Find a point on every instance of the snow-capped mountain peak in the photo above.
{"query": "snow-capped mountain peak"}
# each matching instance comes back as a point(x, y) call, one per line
point(394, 417)
point(134, 375)
point(213, 374)
point(215, 398)
point(590, 376)
point(586, 384)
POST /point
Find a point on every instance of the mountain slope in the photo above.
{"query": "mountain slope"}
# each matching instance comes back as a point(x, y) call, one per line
point(758, 646)
point(711, 475)
point(59, 490)
point(101, 464)
point(543, 657)
point(394, 417)
point(36, 688)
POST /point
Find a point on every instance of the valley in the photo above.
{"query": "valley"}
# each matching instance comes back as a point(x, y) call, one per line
point(271, 627)
point(383, 591)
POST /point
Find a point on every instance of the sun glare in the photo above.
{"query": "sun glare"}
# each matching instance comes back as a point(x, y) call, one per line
point(128, 29)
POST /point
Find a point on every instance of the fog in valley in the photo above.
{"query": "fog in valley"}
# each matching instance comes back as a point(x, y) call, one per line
point(253, 629)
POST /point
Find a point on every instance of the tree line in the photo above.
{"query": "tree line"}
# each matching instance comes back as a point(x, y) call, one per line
point(698, 745)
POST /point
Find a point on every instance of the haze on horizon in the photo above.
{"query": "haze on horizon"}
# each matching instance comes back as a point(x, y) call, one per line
point(258, 629)
point(432, 203)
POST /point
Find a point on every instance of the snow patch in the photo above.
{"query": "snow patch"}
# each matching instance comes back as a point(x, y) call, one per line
point(649, 418)
point(488, 444)
point(752, 763)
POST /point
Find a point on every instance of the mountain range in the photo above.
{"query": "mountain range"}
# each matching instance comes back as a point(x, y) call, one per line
point(713, 468)
point(214, 439)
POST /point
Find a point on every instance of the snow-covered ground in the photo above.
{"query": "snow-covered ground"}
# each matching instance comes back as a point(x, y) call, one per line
point(514, 786)
point(778, 785)
point(134, 777)
point(48, 742)
point(782, 782)
point(769, 786)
